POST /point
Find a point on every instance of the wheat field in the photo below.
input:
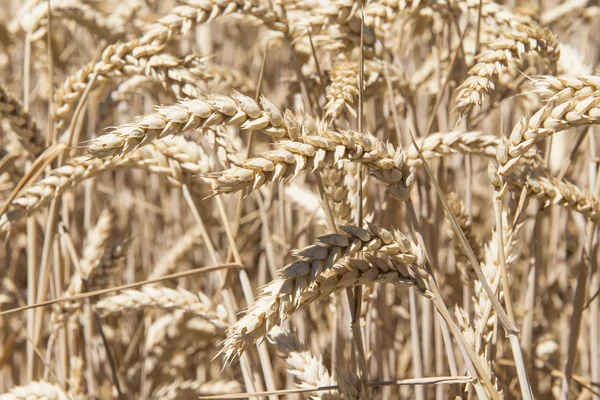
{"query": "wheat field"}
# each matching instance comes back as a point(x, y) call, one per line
point(324, 199)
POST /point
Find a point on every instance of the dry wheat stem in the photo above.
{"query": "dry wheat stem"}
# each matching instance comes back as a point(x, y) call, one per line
point(311, 277)
point(176, 158)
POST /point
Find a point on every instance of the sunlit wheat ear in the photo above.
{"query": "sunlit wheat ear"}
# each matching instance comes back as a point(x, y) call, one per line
point(324, 268)
point(515, 45)
point(308, 369)
point(190, 115)
point(39, 390)
point(552, 118)
point(170, 27)
point(309, 153)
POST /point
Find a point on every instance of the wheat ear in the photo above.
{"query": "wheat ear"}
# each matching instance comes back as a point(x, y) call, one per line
point(561, 192)
point(512, 47)
point(291, 157)
point(178, 23)
point(303, 281)
point(305, 366)
point(163, 298)
point(40, 390)
point(176, 158)
point(462, 262)
point(343, 89)
point(21, 122)
point(236, 110)
point(472, 339)
point(179, 387)
point(547, 121)
point(564, 88)
point(35, 21)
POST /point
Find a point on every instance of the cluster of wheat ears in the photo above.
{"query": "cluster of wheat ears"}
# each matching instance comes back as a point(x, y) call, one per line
point(326, 199)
